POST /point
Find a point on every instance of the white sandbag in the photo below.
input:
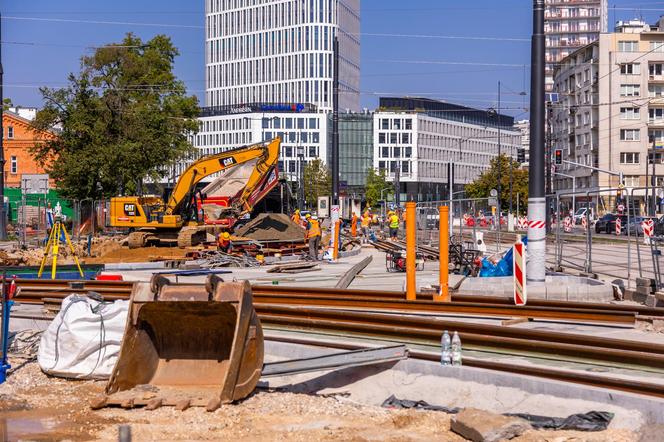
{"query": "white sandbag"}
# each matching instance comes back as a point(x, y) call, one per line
point(83, 340)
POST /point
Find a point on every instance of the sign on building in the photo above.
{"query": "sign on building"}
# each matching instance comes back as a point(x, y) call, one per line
point(34, 183)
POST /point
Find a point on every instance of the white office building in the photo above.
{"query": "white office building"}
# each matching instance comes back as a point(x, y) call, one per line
point(269, 68)
point(303, 133)
point(281, 51)
point(420, 137)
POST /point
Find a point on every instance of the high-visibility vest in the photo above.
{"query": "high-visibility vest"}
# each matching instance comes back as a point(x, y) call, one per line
point(394, 222)
point(314, 229)
point(366, 220)
point(296, 218)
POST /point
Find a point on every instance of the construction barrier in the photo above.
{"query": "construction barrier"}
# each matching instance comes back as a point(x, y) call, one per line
point(618, 226)
point(519, 265)
point(648, 227)
point(568, 224)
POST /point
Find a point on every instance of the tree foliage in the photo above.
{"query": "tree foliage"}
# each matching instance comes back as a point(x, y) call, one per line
point(123, 119)
point(481, 187)
point(376, 182)
point(317, 181)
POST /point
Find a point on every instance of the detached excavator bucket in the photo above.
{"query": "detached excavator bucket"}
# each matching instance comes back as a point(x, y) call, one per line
point(186, 346)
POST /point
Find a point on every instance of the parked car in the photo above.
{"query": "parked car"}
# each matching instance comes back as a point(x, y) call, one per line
point(581, 211)
point(659, 226)
point(607, 223)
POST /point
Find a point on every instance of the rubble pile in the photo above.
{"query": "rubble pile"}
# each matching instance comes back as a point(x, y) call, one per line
point(272, 227)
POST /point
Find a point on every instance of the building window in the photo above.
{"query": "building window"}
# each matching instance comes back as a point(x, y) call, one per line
point(656, 46)
point(632, 181)
point(407, 151)
point(393, 138)
point(630, 134)
point(409, 124)
point(381, 166)
point(629, 158)
point(630, 69)
point(13, 162)
point(381, 137)
point(655, 157)
point(385, 152)
point(10, 132)
point(629, 113)
point(628, 46)
point(384, 124)
point(630, 90)
point(405, 138)
point(655, 69)
point(656, 115)
point(656, 90)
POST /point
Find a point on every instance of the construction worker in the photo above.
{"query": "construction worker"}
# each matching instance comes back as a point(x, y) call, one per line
point(313, 236)
point(296, 217)
point(353, 225)
point(224, 242)
point(393, 222)
point(366, 225)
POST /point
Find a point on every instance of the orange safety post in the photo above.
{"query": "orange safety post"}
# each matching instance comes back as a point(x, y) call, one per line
point(335, 243)
point(411, 287)
point(443, 243)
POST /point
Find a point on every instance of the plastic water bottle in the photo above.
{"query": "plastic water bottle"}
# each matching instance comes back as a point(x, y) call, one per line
point(446, 349)
point(456, 349)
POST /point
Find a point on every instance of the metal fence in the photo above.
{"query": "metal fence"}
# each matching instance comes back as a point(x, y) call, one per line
point(597, 248)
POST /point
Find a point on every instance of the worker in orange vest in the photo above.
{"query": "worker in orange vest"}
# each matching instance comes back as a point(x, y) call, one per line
point(313, 236)
point(296, 217)
point(353, 225)
point(224, 242)
point(365, 224)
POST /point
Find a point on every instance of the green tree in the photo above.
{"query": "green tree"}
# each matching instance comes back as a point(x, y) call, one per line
point(317, 181)
point(481, 187)
point(376, 182)
point(123, 119)
point(7, 103)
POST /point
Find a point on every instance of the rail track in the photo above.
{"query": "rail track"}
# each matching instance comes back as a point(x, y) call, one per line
point(386, 315)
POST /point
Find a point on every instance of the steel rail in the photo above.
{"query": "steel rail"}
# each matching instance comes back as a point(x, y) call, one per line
point(621, 384)
point(483, 335)
point(340, 300)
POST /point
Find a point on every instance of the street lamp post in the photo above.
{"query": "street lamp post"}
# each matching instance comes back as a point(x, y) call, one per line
point(300, 184)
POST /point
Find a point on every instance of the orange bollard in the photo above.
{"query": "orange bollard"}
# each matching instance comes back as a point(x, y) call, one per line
point(411, 287)
point(335, 241)
point(443, 244)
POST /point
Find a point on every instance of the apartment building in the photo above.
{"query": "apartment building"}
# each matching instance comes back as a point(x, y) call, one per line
point(611, 113)
point(417, 138)
point(568, 26)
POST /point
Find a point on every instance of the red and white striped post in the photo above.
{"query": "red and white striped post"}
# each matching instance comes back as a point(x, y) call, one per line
point(618, 226)
point(519, 266)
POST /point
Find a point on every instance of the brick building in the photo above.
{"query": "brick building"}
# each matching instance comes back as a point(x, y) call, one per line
point(18, 138)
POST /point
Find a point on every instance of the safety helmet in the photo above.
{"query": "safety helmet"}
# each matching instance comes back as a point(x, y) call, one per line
point(307, 215)
point(226, 235)
point(297, 211)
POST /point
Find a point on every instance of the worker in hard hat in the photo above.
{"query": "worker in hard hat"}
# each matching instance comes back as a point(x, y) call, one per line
point(224, 242)
point(365, 224)
point(393, 223)
point(353, 225)
point(313, 236)
point(296, 218)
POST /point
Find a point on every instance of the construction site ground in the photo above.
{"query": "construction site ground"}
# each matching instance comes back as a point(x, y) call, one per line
point(34, 406)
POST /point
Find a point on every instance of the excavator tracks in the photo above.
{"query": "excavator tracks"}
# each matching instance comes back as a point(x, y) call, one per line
point(139, 239)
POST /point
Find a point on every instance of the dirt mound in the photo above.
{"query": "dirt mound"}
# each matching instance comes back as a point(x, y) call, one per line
point(271, 227)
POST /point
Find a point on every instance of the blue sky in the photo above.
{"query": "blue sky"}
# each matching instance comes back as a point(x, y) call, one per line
point(467, 71)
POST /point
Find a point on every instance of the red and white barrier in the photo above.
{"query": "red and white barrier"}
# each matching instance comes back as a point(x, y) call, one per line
point(519, 265)
point(584, 222)
point(568, 224)
point(648, 227)
point(618, 226)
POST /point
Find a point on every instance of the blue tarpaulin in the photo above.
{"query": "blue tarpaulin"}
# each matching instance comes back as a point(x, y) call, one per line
point(502, 267)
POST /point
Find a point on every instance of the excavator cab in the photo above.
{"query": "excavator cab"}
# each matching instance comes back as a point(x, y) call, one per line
point(187, 346)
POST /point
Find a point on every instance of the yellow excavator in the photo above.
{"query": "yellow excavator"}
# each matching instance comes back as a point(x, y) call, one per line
point(153, 222)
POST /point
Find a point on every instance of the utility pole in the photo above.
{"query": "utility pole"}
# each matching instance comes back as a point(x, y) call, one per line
point(653, 179)
point(397, 184)
point(335, 126)
point(547, 164)
point(536, 270)
point(3, 215)
point(500, 166)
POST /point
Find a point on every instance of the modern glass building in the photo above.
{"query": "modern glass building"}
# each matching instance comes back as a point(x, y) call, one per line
point(355, 152)
point(281, 51)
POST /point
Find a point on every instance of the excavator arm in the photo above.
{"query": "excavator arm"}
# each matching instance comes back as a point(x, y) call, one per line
point(267, 154)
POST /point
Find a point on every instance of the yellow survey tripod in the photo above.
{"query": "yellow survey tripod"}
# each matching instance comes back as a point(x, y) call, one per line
point(53, 244)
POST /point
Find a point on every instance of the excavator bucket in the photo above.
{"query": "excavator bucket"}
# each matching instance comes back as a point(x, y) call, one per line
point(187, 346)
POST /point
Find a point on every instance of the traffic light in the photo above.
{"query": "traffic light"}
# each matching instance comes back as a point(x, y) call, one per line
point(558, 154)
